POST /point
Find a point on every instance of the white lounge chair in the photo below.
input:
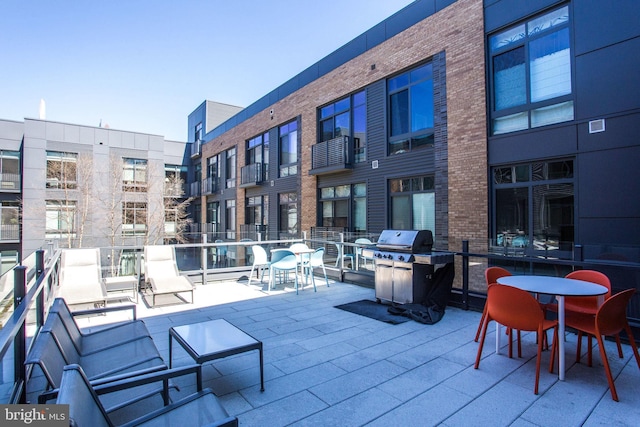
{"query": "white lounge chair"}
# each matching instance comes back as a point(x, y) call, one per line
point(161, 272)
point(80, 277)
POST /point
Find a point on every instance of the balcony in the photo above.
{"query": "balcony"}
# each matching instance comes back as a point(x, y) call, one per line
point(331, 156)
point(9, 182)
point(196, 149)
point(195, 189)
point(210, 185)
point(252, 175)
point(9, 233)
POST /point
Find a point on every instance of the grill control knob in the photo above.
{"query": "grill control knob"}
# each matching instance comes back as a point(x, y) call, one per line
point(401, 257)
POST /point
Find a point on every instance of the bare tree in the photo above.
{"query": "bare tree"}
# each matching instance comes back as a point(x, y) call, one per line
point(84, 170)
point(175, 207)
point(171, 221)
point(110, 200)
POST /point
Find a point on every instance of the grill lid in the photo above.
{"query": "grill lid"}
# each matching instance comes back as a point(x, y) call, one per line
point(411, 241)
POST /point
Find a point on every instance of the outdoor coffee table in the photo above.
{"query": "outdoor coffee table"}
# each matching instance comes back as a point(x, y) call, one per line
point(122, 283)
point(214, 339)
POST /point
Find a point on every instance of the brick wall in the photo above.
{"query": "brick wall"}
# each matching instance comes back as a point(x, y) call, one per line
point(458, 31)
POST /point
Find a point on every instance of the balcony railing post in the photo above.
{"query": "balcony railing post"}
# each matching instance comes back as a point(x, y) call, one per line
point(578, 253)
point(465, 274)
point(40, 297)
point(204, 259)
point(341, 252)
point(20, 340)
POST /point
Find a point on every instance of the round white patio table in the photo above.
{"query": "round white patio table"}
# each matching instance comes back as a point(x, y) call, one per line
point(560, 287)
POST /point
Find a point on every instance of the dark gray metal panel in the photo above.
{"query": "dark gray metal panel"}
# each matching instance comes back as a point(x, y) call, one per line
point(607, 80)
point(309, 75)
point(376, 121)
point(376, 150)
point(609, 231)
point(410, 15)
point(375, 35)
point(538, 144)
point(441, 4)
point(620, 131)
point(343, 55)
point(600, 23)
point(506, 12)
point(609, 183)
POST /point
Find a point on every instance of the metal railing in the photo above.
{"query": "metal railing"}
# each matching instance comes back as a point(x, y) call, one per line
point(251, 174)
point(35, 282)
point(29, 301)
point(334, 152)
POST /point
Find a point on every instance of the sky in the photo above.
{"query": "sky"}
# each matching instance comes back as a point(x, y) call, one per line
point(145, 65)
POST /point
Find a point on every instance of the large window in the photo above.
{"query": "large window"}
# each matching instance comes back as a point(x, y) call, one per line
point(62, 170)
point(288, 149)
point(134, 175)
point(411, 109)
point(230, 219)
point(9, 220)
point(531, 70)
point(258, 155)
point(213, 217)
point(230, 169)
point(534, 206)
point(288, 207)
point(134, 218)
point(413, 203)
point(9, 170)
point(197, 132)
point(175, 179)
point(60, 218)
point(257, 210)
point(346, 117)
point(212, 183)
point(344, 206)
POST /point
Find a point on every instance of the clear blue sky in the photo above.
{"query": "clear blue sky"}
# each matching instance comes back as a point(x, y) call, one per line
point(144, 65)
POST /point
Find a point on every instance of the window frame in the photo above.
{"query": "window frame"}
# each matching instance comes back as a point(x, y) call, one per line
point(408, 188)
point(350, 199)
point(65, 213)
point(409, 139)
point(254, 204)
point(10, 170)
point(529, 178)
point(521, 36)
point(60, 179)
point(139, 173)
point(138, 212)
point(231, 168)
point(328, 113)
point(288, 199)
point(288, 130)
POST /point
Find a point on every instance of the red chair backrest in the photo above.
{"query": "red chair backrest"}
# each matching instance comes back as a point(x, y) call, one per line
point(513, 307)
point(492, 274)
point(612, 314)
point(587, 304)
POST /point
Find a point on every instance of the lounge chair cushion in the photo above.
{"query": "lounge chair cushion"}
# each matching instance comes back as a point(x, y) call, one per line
point(80, 277)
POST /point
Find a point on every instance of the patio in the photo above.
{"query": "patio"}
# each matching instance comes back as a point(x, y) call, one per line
point(325, 366)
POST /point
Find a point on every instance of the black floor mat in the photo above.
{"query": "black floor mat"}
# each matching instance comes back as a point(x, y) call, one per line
point(372, 310)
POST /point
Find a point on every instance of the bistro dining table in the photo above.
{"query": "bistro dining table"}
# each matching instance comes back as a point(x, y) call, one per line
point(560, 287)
point(302, 255)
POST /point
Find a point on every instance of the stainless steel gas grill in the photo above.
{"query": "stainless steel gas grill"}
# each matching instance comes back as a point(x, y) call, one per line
point(404, 265)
